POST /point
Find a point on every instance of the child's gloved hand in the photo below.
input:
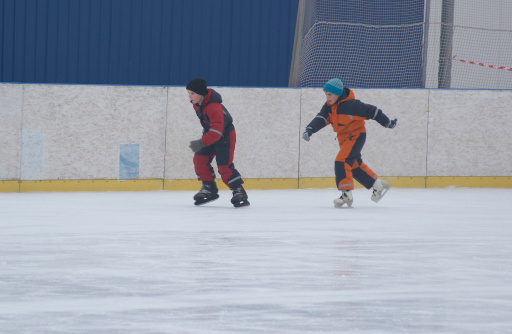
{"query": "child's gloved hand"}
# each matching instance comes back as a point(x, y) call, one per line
point(392, 124)
point(196, 145)
point(307, 134)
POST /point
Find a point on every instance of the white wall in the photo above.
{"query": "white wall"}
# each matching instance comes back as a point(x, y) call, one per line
point(267, 124)
point(66, 132)
point(75, 132)
point(470, 133)
point(11, 105)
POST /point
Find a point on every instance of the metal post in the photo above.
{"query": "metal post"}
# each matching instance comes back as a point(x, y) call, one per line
point(445, 51)
point(297, 45)
point(426, 30)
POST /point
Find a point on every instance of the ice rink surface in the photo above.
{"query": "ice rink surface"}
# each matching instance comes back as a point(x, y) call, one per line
point(419, 261)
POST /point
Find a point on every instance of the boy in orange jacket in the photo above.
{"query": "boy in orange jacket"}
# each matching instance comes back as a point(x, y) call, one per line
point(347, 117)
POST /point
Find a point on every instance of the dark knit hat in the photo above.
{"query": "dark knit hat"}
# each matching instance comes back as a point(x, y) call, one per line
point(198, 86)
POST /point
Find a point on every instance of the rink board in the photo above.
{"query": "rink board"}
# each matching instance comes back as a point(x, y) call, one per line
point(76, 137)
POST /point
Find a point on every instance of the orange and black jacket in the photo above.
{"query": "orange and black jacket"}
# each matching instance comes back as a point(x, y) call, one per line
point(214, 117)
point(347, 116)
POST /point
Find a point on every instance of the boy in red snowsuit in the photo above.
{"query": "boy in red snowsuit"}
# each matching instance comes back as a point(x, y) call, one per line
point(347, 117)
point(218, 140)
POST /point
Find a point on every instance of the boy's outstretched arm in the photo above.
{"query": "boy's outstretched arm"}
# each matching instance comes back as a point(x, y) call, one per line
point(319, 122)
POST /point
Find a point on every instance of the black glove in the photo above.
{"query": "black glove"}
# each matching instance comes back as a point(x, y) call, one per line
point(307, 134)
point(196, 145)
point(391, 124)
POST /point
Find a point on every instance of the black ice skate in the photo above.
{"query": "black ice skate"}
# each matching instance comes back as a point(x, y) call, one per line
point(239, 197)
point(208, 193)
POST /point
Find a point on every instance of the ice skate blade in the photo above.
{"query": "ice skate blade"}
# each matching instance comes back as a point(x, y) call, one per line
point(241, 205)
point(338, 203)
point(199, 203)
point(383, 193)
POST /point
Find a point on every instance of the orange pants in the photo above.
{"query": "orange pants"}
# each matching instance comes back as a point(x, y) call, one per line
point(349, 164)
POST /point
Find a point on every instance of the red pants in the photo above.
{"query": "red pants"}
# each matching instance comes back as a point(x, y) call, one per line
point(223, 150)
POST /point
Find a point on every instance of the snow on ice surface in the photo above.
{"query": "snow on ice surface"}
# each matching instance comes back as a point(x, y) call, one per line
point(419, 261)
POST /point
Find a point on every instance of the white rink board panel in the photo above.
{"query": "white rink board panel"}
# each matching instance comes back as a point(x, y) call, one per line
point(267, 123)
point(267, 126)
point(318, 154)
point(400, 151)
point(11, 102)
point(82, 129)
point(182, 127)
point(389, 152)
point(78, 132)
point(470, 133)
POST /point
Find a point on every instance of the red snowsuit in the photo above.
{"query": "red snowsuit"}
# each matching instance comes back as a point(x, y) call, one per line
point(219, 136)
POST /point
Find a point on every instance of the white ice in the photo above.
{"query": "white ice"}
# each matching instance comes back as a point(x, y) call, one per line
point(419, 261)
